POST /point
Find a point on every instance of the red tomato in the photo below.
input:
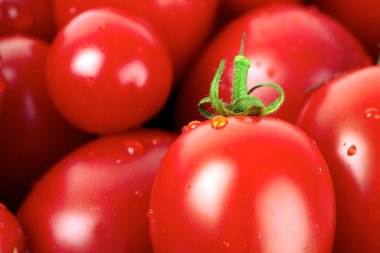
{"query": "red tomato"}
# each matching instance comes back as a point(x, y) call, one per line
point(250, 184)
point(96, 199)
point(28, 17)
point(295, 46)
point(183, 25)
point(107, 72)
point(343, 117)
point(12, 239)
point(32, 133)
point(2, 91)
point(361, 17)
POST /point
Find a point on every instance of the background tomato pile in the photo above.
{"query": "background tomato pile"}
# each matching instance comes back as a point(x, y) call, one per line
point(94, 93)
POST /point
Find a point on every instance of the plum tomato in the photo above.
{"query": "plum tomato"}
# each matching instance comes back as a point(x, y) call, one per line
point(108, 72)
point(343, 117)
point(183, 25)
point(96, 199)
point(33, 135)
point(292, 45)
point(12, 238)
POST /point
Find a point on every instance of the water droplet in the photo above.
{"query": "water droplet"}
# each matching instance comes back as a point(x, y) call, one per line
point(120, 161)
point(320, 169)
point(90, 81)
point(104, 26)
point(192, 125)
point(139, 193)
point(218, 122)
point(226, 244)
point(271, 72)
point(134, 147)
point(351, 150)
point(372, 113)
point(72, 10)
point(157, 140)
point(150, 213)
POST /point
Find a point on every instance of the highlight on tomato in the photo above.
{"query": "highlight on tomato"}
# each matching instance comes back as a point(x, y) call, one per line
point(242, 181)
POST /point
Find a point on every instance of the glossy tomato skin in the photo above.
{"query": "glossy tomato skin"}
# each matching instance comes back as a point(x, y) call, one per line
point(96, 198)
point(343, 118)
point(27, 17)
point(33, 135)
point(107, 72)
point(12, 238)
point(183, 25)
point(255, 185)
point(294, 46)
point(361, 17)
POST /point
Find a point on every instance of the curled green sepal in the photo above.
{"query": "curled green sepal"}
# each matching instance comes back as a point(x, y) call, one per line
point(243, 104)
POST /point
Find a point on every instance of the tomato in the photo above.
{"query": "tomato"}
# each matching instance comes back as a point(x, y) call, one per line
point(183, 25)
point(250, 184)
point(343, 117)
point(32, 133)
point(361, 17)
point(96, 199)
point(12, 238)
point(2, 91)
point(107, 72)
point(27, 17)
point(297, 47)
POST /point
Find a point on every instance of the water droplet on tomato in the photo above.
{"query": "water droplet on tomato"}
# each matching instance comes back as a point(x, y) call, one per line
point(226, 244)
point(90, 81)
point(134, 147)
point(351, 150)
point(139, 193)
point(120, 161)
point(192, 125)
point(157, 140)
point(218, 122)
point(104, 27)
point(372, 113)
point(72, 10)
point(150, 213)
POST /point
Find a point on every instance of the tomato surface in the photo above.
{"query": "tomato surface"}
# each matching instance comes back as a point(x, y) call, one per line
point(107, 72)
point(183, 25)
point(343, 117)
point(12, 238)
point(27, 17)
point(248, 184)
point(361, 17)
point(96, 199)
point(294, 46)
point(32, 133)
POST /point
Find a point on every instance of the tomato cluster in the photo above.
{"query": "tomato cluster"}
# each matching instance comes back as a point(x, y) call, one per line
point(104, 145)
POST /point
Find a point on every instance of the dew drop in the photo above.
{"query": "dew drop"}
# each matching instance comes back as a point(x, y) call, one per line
point(120, 161)
point(192, 125)
point(139, 193)
point(351, 150)
point(226, 244)
point(150, 213)
point(104, 26)
point(372, 113)
point(134, 147)
point(218, 122)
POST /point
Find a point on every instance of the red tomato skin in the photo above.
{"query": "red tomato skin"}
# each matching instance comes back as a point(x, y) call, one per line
point(33, 135)
point(342, 116)
point(12, 238)
point(27, 17)
point(256, 185)
point(97, 197)
point(107, 72)
point(174, 20)
point(294, 46)
point(361, 17)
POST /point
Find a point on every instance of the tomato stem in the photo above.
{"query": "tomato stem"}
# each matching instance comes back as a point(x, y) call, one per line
point(242, 102)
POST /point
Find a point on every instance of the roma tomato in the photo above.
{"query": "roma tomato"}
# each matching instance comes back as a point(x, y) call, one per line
point(361, 17)
point(12, 238)
point(107, 72)
point(295, 46)
point(343, 117)
point(27, 17)
point(183, 25)
point(96, 199)
point(33, 135)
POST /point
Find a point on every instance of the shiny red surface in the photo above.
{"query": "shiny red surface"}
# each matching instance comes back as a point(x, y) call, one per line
point(32, 133)
point(183, 25)
point(343, 118)
point(250, 185)
point(107, 72)
point(296, 47)
point(96, 199)
point(12, 238)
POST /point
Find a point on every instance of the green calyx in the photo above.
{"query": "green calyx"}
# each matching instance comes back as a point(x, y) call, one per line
point(242, 103)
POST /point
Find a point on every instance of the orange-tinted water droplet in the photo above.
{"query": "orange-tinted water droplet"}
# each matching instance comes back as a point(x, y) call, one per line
point(139, 193)
point(134, 147)
point(150, 213)
point(351, 150)
point(192, 125)
point(218, 122)
point(372, 113)
point(226, 244)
